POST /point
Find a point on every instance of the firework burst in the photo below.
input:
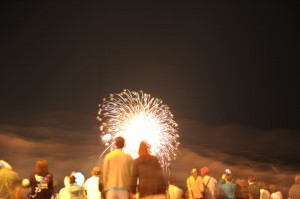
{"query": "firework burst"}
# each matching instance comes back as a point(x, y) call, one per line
point(136, 116)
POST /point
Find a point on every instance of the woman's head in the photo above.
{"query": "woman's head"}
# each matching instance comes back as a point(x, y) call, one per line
point(273, 188)
point(262, 185)
point(144, 148)
point(41, 166)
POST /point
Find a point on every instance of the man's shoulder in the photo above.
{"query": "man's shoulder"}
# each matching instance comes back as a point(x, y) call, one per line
point(118, 153)
point(92, 178)
point(209, 179)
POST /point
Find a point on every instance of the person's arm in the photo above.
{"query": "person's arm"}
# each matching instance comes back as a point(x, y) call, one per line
point(32, 183)
point(191, 195)
point(221, 183)
point(134, 179)
point(250, 192)
point(290, 192)
point(51, 184)
point(105, 171)
point(201, 185)
point(214, 187)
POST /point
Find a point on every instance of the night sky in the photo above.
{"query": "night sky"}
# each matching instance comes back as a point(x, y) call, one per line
point(227, 70)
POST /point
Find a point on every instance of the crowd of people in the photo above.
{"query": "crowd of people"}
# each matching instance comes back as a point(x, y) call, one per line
point(123, 177)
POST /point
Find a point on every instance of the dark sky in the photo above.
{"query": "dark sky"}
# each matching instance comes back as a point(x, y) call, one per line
point(214, 63)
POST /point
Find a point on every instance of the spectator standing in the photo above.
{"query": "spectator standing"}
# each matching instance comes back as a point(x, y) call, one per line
point(9, 182)
point(117, 172)
point(41, 181)
point(91, 185)
point(26, 187)
point(275, 193)
point(210, 184)
point(294, 192)
point(264, 193)
point(75, 190)
point(241, 188)
point(174, 192)
point(195, 185)
point(64, 193)
point(227, 187)
point(253, 190)
point(149, 174)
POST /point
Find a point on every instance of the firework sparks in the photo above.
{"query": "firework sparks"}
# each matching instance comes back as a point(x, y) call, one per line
point(136, 117)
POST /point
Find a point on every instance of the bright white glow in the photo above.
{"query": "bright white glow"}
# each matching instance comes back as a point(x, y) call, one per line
point(79, 178)
point(137, 117)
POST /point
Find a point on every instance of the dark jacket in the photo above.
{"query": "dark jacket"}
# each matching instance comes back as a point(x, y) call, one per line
point(151, 181)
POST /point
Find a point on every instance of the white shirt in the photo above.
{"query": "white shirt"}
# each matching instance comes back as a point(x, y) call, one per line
point(92, 188)
point(175, 192)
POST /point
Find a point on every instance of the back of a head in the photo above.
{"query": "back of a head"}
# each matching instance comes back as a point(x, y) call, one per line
point(262, 185)
point(251, 178)
point(204, 170)
point(241, 182)
point(143, 149)
point(119, 142)
point(172, 180)
point(297, 179)
point(41, 166)
point(72, 179)
point(9, 179)
point(96, 171)
point(273, 188)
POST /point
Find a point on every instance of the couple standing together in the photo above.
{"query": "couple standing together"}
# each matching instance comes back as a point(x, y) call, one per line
point(123, 176)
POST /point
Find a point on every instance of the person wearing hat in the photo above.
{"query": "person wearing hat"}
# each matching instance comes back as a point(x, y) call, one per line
point(195, 185)
point(91, 185)
point(4, 164)
point(210, 184)
point(9, 182)
point(26, 187)
point(227, 187)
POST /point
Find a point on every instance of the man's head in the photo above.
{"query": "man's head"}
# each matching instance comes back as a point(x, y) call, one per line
point(96, 171)
point(273, 188)
point(194, 172)
point(262, 185)
point(72, 179)
point(120, 142)
point(251, 178)
point(172, 180)
point(228, 178)
point(41, 166)
point(204, 170)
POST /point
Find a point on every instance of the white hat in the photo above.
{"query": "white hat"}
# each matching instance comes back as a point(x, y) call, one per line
point(25, 182)
point(4, 164)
